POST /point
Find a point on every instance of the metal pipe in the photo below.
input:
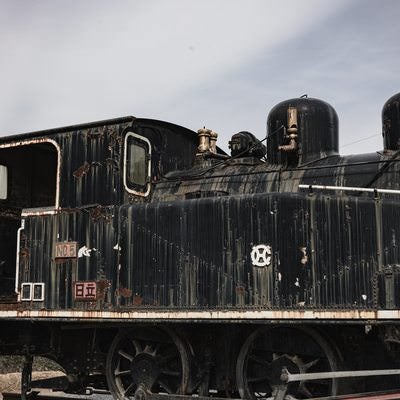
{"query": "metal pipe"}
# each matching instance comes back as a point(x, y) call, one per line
point(350, 189)
point(291, 131)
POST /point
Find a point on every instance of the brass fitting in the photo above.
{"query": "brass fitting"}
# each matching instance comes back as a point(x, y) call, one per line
point(204, 140)
point(213, 141)
point(291, 131)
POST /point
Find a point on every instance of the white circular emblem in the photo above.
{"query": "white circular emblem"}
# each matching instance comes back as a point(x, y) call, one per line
point(261, 255)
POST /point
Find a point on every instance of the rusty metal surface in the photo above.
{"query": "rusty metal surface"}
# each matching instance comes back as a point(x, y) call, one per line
point(234, 315)
point(342, 271)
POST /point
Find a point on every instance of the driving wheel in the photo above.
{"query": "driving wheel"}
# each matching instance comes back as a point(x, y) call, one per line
point(300, 350)
point(147, 359)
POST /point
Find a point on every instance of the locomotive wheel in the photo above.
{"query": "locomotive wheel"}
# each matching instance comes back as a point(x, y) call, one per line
point(147, 359)
point(267, 350)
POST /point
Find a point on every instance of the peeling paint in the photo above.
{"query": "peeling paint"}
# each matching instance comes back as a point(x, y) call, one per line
point(82, 170)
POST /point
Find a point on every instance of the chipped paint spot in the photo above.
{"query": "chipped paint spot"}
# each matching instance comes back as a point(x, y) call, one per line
point(304, 258)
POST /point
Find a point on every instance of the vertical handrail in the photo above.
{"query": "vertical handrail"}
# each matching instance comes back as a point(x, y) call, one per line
point(22, 227)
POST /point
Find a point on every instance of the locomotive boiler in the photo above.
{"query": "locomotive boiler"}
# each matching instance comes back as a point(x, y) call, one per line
point(144, 259)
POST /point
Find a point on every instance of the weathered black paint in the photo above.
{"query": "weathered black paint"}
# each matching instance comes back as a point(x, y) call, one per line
point(324, 251)
point(391, 123)
point(188, 244)
point(318, 135)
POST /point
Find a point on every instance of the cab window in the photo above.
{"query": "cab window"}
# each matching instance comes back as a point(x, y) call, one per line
point(137, 164)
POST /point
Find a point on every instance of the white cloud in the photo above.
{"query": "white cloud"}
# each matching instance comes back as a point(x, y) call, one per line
point(90, 60)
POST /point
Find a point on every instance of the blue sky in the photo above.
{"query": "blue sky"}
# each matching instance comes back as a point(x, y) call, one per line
point(219, 63)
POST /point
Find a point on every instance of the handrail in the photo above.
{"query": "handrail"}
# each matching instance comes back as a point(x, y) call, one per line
point(349, 189)
point(17, 259)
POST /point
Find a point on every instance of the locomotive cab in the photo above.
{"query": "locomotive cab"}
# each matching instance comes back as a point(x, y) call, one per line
point(60, 193)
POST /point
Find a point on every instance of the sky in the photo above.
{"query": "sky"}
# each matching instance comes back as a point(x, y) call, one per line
point(222, 64)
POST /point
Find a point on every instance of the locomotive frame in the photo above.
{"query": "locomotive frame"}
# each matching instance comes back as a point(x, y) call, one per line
point(142, 258)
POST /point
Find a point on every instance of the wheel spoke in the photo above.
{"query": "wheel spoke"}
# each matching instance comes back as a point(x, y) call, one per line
point(129, 389)
point(170, 372)
point(156, 348)
point(122, 373)
point(257, 379)
point(165, 386)
point(162, 360)
point(137, 346)
point(259, 360)
point(310, 364)
point(303, 390)
point(125, 355)
point(148, 349)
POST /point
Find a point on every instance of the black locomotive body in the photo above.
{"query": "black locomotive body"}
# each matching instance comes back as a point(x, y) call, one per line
point(131, 251)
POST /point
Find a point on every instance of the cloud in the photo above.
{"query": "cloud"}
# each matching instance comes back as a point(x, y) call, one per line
point(350, 59)
point(66, 63)
point(222, 64)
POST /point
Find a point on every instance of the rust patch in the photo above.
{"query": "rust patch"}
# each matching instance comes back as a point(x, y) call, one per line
point(99, 212)
point(102, 287)
point(82, 170)
point(240, 290)
point(124, 292)
point(9, 304)
point(137, 300)
point(24, 254)
point(95, 133)
point(115, 138)
point(10, 213)
point(110, 162)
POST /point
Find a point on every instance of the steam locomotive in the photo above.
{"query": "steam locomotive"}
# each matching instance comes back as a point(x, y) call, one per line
point(142, 258)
